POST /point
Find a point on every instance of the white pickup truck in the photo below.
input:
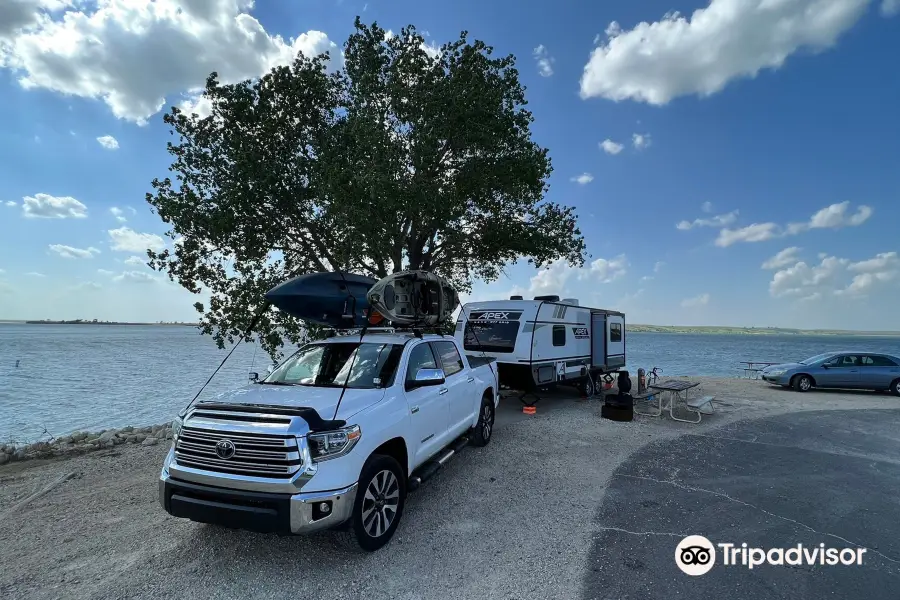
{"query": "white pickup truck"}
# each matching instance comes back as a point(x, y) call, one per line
point(334, 437)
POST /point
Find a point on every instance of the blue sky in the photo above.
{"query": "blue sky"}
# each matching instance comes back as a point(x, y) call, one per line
point(738, 165)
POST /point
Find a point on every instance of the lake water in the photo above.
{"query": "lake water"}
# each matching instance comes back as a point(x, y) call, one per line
point(90, 377)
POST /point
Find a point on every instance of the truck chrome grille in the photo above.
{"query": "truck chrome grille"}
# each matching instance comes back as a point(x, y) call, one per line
point(255, 454)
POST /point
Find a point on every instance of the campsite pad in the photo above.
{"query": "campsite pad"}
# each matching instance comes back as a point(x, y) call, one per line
point(798, 478)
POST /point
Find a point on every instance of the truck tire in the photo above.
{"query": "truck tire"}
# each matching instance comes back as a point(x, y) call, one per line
point(484, 429)
point(378, 508)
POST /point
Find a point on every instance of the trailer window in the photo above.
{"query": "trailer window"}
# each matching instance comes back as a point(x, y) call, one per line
point(615, 332)
point(491, 336)
point(559, 335)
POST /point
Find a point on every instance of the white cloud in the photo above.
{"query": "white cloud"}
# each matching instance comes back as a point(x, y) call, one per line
point(118, 214)
point(640, 140)
point(833, 217)
point(70, 252)
point(758, 232)
point(136, 260)
point(134, 56)
point(108, 142)
point(611, 147)
point(35, 274)
point(885, 261)
point(701, 300)
point(658, 266)
point(45, 206)
point(10, 203)
point(707, 207)
point(87, 285)
point(544, 61)
point(716, 221)
point(106, 272)
point(801, 279)
point(606, 270)
point(889, 8)
point(553, 278)
point(125, 239)
point(727, 40)
point(583, 179)
point(135, 277)
point(830, 217)
point(786, 257)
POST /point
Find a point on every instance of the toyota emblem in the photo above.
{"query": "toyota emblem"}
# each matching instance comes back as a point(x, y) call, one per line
point(225, 449)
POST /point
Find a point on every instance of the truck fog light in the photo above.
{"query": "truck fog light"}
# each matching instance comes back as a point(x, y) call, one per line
point(323, 506)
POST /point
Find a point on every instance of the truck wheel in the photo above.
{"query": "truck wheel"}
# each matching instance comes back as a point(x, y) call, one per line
point(481, 434)
point(379, 503)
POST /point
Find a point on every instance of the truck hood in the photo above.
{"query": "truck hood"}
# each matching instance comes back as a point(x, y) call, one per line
point(322, 399)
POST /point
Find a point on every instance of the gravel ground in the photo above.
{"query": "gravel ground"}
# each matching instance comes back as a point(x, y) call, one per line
point(516, 519)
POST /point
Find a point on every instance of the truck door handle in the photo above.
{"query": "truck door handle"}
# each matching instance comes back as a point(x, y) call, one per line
point(470, 379)
point(443, 391)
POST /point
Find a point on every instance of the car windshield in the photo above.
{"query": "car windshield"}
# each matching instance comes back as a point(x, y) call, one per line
point(329, 365)
point(818, 357)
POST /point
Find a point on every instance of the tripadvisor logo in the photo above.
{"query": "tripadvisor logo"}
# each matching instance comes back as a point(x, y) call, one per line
point(696, 555)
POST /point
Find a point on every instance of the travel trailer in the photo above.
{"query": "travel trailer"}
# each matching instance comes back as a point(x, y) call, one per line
point(545, 341)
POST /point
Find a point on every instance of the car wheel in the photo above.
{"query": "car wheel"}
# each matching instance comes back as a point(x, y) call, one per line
point(802, 383)
point(481, 434)
point(378, 507)
point(895, 387)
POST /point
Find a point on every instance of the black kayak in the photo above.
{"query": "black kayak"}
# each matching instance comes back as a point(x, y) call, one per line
point(332, 299)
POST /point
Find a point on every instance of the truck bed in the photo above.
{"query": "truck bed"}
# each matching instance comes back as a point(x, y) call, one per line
point(479, 361)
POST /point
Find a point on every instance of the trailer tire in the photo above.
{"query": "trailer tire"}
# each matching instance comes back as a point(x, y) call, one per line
point(383, 476)
point(588, 387)
point(484, 428)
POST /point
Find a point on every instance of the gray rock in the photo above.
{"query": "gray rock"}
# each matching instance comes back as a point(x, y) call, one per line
point(131, 439)
point(141, 437)
point(109, 443)
point(169, 434)
point(118, 440)
point(128, 429)
point(79, 435)
point(150, 441)
point(19, 454)
point(4, 458)
point(144, 430)
point(107, 436)
point(66, 439)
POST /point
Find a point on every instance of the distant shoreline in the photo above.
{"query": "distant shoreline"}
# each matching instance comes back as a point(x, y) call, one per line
point(720, 330)
point(630, 328)
point(82, 322)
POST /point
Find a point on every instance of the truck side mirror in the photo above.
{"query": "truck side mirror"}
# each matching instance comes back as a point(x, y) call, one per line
point(425, 378)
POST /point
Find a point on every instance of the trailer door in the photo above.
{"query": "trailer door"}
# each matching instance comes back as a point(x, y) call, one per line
point(598, 340)
point(615, 341)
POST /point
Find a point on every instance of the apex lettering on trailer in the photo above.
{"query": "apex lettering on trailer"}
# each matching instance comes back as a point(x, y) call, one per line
point(498, 315)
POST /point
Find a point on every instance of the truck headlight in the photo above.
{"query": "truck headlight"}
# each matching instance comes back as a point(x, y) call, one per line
point(176, 428)
point(325, 445)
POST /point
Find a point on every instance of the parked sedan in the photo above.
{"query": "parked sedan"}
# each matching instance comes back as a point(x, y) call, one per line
point(845, 370)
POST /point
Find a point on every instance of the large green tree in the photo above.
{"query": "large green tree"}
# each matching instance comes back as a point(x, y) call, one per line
point(401, 158)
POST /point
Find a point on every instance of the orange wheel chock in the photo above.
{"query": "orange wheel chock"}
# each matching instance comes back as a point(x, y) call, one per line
point(529, 410)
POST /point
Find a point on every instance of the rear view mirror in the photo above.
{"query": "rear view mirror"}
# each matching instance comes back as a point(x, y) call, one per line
point(426, 377)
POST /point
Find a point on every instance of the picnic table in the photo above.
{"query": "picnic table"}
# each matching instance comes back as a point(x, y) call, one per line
point(676, 389)
point(752, 368)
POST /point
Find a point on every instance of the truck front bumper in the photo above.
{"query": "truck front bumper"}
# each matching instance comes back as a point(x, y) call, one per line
point(256, 511)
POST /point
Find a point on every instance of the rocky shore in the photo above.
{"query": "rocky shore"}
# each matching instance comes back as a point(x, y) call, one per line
point(81, 442)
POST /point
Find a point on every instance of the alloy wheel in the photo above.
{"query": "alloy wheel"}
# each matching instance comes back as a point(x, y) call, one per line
point(379, 507)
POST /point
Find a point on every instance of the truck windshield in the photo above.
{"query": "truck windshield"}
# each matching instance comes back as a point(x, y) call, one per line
point(328, 365)
point(491, 336)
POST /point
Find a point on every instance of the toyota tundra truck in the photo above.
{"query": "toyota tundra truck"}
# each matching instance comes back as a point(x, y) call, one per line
point(333, 438)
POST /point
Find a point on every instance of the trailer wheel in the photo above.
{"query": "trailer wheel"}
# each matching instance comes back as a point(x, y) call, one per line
point(588, 386)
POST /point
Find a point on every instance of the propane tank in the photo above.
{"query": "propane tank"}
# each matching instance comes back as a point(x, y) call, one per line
point(642, 381)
